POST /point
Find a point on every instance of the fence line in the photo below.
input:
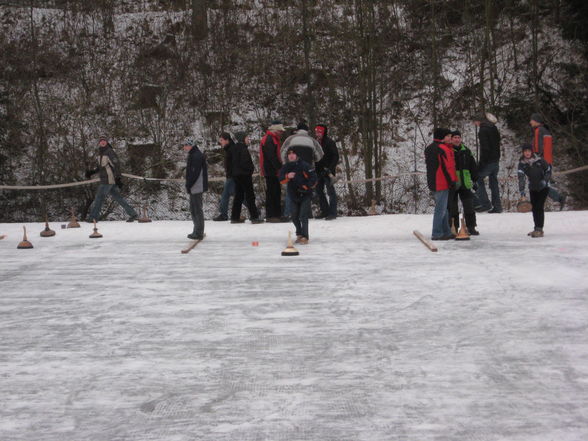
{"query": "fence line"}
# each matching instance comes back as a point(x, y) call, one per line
point(219, 179)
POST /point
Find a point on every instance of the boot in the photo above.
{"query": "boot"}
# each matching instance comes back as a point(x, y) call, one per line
point(473, 231)
point(220, 218)
point(538, 232)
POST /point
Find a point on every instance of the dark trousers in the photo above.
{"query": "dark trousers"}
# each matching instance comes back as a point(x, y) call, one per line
point(481, 198)
point(197, 214)
point(273, 195)
point(301, 213)
point(467, 201)
point(327, 208)
point(244, 190)
point(112, 190)
point(538, 203)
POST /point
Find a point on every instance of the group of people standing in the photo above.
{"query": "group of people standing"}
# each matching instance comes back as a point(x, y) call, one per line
point(306, 164)
point(452, 174)
point(302, 162)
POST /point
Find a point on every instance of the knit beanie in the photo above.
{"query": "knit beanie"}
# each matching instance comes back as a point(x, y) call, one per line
point(226, 135)
point(526, 147)
point(440, 133)
point(456, 133)
point(240, 136)
point(538, 118)
point(302, 126)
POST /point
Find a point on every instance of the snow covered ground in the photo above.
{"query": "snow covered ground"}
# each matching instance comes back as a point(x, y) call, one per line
point(366, 335)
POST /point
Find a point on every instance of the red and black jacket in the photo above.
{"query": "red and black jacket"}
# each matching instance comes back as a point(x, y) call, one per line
point(440, 162)
point(269, 155)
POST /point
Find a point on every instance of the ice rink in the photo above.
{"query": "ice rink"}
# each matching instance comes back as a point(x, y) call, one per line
point(366, 336)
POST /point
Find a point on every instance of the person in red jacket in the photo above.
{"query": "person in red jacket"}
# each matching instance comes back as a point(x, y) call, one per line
point(441, 177)
point(269, 167)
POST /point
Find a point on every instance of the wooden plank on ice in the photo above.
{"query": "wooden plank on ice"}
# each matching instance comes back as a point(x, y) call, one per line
point(426, 242)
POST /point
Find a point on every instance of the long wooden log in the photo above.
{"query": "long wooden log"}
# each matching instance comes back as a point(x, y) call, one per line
point(427, 243)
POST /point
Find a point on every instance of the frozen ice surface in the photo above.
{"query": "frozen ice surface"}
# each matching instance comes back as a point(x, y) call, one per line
point(366, 336)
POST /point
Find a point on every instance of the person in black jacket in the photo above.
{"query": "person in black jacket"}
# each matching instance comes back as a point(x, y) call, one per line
point(196, 185)
point(226, 143)
point(242, 170)
point(269, 167)
point(488, 164)
point(110, 181)
point(301, 179)
point(326, 169)
point(467, 175)
point(538, 172)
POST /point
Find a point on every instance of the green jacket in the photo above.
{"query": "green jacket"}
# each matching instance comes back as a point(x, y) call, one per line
point(465, 166)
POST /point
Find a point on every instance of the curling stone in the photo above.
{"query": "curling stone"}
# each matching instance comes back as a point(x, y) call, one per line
point(463, 232)
point(25, 244)
point(290, 250)
point(144, 219)
point(73, 223)
point(524, 206)
point(95, 234)
point(47, 232)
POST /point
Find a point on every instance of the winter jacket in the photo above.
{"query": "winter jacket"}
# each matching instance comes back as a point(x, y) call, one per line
point(539, 133)
point(537, 170)
point(465, 166)
point(108, 165)
point(228, 161)
point(306, 147)
point(328, 164)
point(489, 143)
point(303, 182)
point(242, 164)
point(269, 155)
point(196, 172)
point(440, 163)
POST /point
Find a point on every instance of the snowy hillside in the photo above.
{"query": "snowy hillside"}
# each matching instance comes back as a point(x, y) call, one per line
point(366, 335)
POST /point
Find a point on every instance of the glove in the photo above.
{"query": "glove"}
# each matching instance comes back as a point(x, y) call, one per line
point(542, 183)
point(475, 186)
point(89, 173)
point(118, 182)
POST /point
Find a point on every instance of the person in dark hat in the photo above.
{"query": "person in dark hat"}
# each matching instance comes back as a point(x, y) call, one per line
point(326, 169)
point(537, 171)
point(540, 133)
point(226, 143)
point(467, 174)
point(196, 185)
point(488, 165)
point(242, 171)
point(110, 181)
point(301, 179)
point(441, 178)
point(269, 167)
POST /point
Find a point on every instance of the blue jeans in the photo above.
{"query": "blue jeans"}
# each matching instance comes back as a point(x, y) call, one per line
point(228, 191)
point(481, 197)
point(301, 212)
point(441, 215)
point(103, 191)
point(327, 208)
